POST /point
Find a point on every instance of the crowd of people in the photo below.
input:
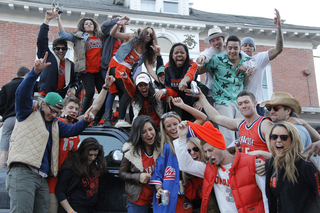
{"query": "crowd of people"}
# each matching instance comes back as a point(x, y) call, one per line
point(192, 147)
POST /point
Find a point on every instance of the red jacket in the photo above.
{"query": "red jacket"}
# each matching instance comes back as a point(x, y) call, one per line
point(246, 193)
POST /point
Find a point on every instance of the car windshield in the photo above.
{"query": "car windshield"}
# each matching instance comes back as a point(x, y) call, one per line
point(109, 143)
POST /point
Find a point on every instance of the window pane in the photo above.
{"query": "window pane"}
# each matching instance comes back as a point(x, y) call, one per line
point(170, 7)
point(148, 5)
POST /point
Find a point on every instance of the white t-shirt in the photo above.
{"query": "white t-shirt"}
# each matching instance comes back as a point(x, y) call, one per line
point(255, 85)
point(223, 191)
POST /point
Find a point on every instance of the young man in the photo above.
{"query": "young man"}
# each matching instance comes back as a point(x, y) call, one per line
point(34, 144)
point(282, 107)
point(59, 76)
point(253, 129)
point(262, 59)
point(236, 186)
point(229, 77)
point(8, 113)
point(216, 39)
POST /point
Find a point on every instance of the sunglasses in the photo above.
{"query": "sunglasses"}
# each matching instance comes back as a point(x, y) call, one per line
point(195, 149)
point(168, 113)
point(282, 137)
point(149, 34)
point(52, 110)
point(275, 108)
point(60, 48)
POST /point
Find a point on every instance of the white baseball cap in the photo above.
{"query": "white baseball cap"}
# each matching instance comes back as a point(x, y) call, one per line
point(143, 77)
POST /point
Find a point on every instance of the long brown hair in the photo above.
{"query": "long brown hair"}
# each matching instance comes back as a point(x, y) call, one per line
point(79, 158)
point(96, 31)
point(148, 53)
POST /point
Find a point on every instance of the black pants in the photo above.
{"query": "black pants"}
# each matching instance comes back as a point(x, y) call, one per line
point(90, 82)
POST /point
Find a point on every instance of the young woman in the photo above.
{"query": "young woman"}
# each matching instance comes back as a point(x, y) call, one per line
point(88, 41)
point(134, 51)
point(78, 180)
point(292, 184)
point(179, 72)
point(143, 94)
point(138, 163)
point(167, 173)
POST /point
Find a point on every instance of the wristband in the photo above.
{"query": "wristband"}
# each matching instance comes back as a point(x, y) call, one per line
point(71, 211)
point(117, 23)
point(105, 87)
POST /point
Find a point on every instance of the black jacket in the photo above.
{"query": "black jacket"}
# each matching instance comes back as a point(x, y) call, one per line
point(304, 196)
point(7, 98)
point(49, 76)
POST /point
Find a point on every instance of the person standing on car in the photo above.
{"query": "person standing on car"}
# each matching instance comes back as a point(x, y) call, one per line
point(138, 164)
point(78, 180)
point(34, 144)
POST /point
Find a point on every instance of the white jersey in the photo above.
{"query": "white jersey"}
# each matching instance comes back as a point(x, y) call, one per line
point(255, 85)
point(223, 191)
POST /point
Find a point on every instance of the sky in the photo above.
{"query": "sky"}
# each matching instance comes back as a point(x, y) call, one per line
point(293, 12)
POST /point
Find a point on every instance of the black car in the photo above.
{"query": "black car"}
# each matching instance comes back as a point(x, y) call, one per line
point(111, 187)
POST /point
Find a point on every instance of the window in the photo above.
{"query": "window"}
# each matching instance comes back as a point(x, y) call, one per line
point(171, 6)
point(148, 5)
point(267, 85)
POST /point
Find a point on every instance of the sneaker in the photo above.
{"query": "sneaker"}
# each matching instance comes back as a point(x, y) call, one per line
point(122, 123)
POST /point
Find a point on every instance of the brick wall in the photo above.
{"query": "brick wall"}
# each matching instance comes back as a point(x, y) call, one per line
point(287, 73)
point(18, 47)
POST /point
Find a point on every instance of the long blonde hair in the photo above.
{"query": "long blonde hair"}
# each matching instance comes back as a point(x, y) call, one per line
point(289, 155)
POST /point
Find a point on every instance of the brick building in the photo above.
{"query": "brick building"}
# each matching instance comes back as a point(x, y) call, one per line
point(173, 21)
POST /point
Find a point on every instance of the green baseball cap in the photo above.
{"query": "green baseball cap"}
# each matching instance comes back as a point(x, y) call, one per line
point(54, 99)
point(160, 70)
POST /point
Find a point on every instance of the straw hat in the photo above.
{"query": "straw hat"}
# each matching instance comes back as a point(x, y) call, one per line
point(215, 32)
point(283, 98)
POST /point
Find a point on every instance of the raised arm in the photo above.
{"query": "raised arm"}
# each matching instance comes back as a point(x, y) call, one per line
point(213, 114)
point(107, 26)
point(186, 163)
point(115, 32)
point(274, 52)
point(199, 116)
point(63, 34)
point(149, 68)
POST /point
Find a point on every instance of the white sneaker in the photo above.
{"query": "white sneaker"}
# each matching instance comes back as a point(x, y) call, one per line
point(122, 123)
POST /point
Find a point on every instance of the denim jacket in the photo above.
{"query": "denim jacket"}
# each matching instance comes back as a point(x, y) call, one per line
point(124, 50)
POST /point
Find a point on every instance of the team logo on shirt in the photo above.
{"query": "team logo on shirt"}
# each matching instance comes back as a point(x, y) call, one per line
point(170, 173)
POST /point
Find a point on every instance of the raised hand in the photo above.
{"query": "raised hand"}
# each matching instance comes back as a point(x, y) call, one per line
point(109, 79)
point(156, 48)
point(313, 148)
point(277, 19)
point(183, 129)
point(177, 101)
point(40, 64)
point(123, 74)
point(89, 116)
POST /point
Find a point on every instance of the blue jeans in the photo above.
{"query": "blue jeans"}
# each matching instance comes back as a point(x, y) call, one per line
point(135, 208)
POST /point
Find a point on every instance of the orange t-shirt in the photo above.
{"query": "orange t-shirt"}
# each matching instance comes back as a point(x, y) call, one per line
point(146, 194)
point(93, 54)
point(65, 145)
point(148, 110)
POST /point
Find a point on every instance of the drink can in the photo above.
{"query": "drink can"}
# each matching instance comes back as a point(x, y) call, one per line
point(165, 198)
point(181, 188)
point(194, 88)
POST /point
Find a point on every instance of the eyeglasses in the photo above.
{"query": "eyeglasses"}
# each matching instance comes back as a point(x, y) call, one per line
point(168, 113)
point(275, 108)
point(60, 48)
point(282, 137)
point(195, 149)
point(52, 110)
